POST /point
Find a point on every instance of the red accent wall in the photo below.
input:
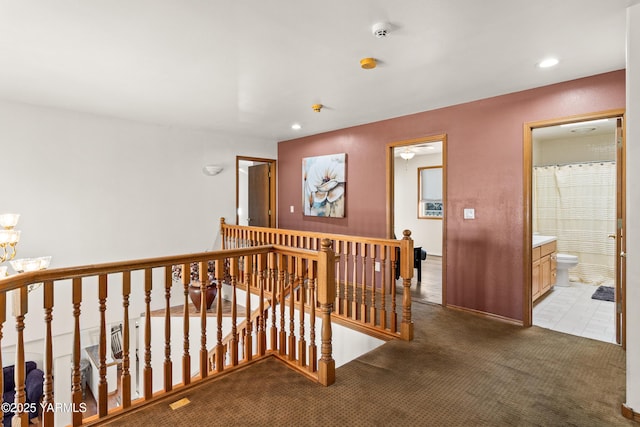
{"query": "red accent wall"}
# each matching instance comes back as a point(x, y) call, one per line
point(484, 171)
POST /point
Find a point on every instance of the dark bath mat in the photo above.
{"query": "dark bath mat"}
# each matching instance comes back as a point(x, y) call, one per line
point(603, 293)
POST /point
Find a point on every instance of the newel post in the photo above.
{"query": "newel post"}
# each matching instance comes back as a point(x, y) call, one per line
point(406, 271)
point(222, 233)
point(326, 297)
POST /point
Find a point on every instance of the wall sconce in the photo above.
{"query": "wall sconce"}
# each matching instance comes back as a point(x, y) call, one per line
point(212, 170)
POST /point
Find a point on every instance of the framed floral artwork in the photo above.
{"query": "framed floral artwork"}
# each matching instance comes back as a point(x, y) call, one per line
point(323, 185)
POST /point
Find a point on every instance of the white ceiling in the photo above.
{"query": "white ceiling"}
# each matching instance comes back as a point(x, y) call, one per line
point(254, 67)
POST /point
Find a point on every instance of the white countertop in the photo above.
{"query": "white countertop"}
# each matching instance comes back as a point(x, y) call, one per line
point(539, 240)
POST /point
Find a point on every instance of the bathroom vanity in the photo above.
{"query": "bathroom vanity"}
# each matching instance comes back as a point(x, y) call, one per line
point(543, 265)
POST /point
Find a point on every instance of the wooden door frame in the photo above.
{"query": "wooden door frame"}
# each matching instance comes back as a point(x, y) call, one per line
point(527, 304)
point(272, 186)
point(390, 172)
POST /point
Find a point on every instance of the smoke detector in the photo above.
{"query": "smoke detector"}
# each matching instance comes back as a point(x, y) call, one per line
point(381, 29)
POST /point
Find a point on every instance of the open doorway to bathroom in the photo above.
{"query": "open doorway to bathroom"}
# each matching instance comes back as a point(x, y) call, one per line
point(416, 196)
point(576, 222)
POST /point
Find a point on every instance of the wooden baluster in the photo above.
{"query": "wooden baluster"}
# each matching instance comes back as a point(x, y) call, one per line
point(47, 386)
point(326, 289)
point(273, 331)
point(354, 260)
point(302, 344)
point(392, 292)
point(262, 335)
point(220, 351)
point(284, 279)
point(168, 365)
point(372, 262)
point(3, 318)
point(126, 374)
point(103, 408)
point(186, 318)
point(313, 350)
point(148, 371)
point(20, 307)
point(383, 286)
point(76, 389)
point(406, 328)
point(337, 304)
point(345, 252)
point(248, 345)
point(233, 268)
point(204, 354)
point(295, 282)
point(363, 292)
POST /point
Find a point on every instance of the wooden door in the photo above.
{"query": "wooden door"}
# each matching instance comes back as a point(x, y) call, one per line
point(259, 195)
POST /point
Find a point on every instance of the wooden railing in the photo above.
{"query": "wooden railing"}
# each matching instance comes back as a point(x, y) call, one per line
point(272, 274)
point(366, 271)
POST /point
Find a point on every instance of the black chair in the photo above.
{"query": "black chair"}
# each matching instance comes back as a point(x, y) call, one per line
point(34, 380)
point(419, 255)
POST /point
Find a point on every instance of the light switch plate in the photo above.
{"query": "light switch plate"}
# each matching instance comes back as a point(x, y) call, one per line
point(291, 209)
point(469, 213)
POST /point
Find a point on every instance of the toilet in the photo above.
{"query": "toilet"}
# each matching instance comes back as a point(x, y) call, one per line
point(563, 263)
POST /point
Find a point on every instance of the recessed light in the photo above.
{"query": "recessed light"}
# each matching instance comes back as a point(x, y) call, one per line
point(549, 62)
point(296, 126)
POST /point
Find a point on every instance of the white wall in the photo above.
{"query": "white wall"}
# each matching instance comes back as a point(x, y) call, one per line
point(424, 232)
point(586, 148)
point(633, 207)
point(93, 189)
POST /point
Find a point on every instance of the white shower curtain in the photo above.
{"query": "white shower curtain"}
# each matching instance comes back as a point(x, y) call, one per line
point(576, 202)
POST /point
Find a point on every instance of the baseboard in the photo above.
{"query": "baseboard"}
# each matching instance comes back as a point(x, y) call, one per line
point(629, 413)
point(485, 314)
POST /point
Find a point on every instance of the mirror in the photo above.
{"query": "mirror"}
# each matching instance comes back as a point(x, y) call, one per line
point(430, 204)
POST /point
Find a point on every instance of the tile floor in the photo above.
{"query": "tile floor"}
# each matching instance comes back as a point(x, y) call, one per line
point(572, 310)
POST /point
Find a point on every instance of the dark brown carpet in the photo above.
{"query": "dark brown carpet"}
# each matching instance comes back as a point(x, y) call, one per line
point(461, 370)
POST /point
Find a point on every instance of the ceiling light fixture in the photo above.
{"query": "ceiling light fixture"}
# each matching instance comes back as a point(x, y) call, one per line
point(368, 63)
point(407, 154)
point(548, 62)
point(212, 170)
point(296, 126)
point(317, 107)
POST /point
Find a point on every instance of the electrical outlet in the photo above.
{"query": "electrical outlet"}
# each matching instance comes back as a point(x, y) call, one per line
point(377, 265)
point(469, 213)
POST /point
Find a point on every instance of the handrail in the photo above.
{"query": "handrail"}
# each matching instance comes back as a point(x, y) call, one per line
point(366, 271)
point(143, 286)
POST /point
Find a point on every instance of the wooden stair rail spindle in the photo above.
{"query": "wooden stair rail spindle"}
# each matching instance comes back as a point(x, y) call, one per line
point(345, 282)
point(220, 351)
point(393, 321)
point(326, 295)
point(3, 318)
point(47, 386)
point(248, 344)
point(295, 284)
point(354, 261)
point(168, 365)
point(302, 344)
point(204, 359)
point(372, 261)
point(363, 293)
point(20, 307)
point(148, 370)
point(76, 389)
point(284, 278)
point(262, 335)
point(406, 328)
point(126, 360)
point(275, 276)
point(102, 400)
point(313, 350)
point(186, 357)
point(383, 287)
point(233, 270)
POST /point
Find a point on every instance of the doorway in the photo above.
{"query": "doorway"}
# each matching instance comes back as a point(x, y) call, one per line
point(255, 192)
point(416, 194)
point(574, 199)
